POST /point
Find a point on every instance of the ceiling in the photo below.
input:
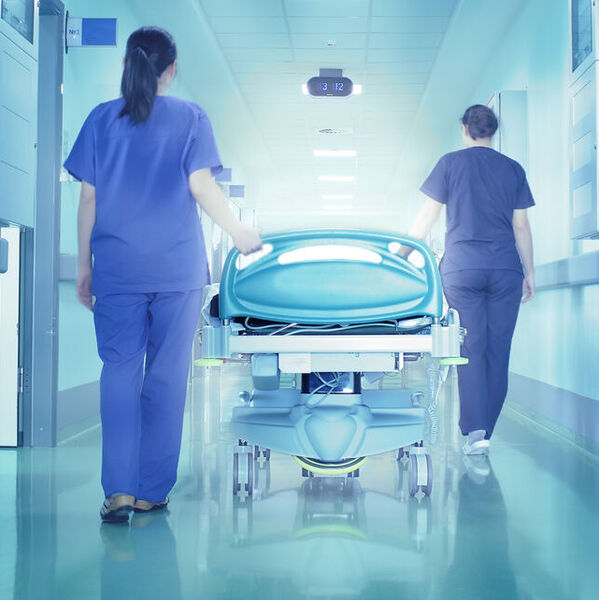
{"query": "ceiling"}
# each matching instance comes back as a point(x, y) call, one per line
point(272, 47)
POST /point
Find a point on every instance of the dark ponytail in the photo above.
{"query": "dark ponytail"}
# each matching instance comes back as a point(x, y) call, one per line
point(480, 121)
point(150, 50)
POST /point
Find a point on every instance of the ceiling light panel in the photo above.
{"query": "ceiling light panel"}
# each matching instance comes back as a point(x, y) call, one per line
point(334, 153)
point(337, 178)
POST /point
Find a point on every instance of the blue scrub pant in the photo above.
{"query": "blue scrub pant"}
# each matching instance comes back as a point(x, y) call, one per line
point(488, 301)
point(142, 405)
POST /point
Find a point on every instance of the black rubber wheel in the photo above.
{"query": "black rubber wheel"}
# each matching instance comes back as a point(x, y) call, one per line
point(267, 454)
point(236, 486)
point(401, 453)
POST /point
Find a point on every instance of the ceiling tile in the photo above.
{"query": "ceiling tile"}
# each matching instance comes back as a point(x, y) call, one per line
point(329, 26)
point(413, 8)
point(253, 40)
point(407, 67)
point(378, 55)
point(258, 54)
point(405, 40)
point(409, 24)
point(342, 41)
point(248, 25)
point(327, 8)
point(394, 79)
point(243, 8)
point(332, 57)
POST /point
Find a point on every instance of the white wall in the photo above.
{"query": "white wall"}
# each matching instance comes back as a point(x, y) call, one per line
point(553, 341)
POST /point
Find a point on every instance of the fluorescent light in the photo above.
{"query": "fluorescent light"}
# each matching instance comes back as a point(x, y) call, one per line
point(337, 197)
point(346, 178)
point(338, 207)
point(305, 89)
point(357, 89)
point(335, 153)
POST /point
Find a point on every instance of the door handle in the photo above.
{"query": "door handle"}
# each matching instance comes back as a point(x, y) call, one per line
point(3, 255)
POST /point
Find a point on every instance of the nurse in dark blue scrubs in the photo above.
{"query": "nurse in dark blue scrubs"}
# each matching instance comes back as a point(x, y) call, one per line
point(487, 269)
point(144, 161)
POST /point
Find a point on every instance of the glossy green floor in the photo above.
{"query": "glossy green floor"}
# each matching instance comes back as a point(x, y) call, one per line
point(523, 525)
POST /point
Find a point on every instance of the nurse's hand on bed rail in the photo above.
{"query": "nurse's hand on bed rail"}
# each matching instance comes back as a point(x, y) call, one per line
point(247, 240)
point(210, 198)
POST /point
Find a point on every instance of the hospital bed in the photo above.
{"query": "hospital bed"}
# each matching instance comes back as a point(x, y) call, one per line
point(331, 307)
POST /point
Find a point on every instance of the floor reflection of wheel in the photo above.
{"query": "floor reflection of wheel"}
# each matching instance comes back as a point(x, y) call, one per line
point(420, 474)
point(419, 519)
point(243, 471)
point(242, 519)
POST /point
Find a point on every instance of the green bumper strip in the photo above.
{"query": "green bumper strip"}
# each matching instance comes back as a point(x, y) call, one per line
point(454, 360)
point(337, 468)
point(209, 362)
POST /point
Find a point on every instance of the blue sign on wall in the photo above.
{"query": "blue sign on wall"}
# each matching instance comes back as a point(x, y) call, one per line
point(91, 32)
point(225, 176)
point(237, 191)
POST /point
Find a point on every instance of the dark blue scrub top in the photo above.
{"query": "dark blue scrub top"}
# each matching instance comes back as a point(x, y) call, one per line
point(147, 236)
point(481, 189)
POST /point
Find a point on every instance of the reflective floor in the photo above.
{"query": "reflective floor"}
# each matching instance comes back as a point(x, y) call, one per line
point(524, 524)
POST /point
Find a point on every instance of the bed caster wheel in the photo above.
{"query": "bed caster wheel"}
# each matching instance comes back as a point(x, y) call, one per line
point(421, 474)
point(354, 474)
point(306, 473)
point(418, 399)
point(245, 398)
point(243, 472)
point(261, 455)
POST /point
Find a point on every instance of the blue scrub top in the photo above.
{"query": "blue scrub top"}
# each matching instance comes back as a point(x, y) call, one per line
point(147, 236)
point(481, 189)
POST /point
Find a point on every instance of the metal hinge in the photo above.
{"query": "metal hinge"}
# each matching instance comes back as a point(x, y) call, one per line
point(21, 380)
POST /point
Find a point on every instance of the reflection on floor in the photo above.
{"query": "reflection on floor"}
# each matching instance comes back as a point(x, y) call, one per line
point(522, 524)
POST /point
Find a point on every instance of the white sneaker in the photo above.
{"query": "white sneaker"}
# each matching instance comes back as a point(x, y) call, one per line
point(480, 447)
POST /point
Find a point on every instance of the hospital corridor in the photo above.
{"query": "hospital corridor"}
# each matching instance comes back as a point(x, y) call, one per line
point(299, 299)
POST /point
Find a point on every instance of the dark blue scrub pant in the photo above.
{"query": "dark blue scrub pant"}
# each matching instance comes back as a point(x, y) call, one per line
point(488, 301)
point(142, 406)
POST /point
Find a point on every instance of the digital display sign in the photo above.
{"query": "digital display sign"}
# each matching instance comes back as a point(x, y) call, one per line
point(330, 86)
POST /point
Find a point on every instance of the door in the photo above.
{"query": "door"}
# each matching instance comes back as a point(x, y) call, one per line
point(10, 286)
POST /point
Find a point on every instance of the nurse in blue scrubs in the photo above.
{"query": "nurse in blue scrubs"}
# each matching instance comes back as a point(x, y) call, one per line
point(487, 269)
point(144, 161)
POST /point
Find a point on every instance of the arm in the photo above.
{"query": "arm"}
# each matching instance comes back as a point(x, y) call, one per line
point(423, 223)
point(523, 237)
point(86, 218)
point(210, 198)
